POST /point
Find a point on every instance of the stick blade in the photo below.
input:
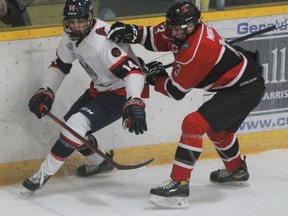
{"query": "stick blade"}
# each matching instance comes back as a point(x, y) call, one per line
point(133, 166)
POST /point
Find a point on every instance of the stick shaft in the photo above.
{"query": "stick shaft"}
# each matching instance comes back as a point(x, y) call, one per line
point(243, 38)
point(268, 29)
point(96, 150)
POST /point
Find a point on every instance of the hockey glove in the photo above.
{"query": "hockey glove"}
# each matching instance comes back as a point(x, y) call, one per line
point(153, 70)
point(124, 33)
point(134, 116)
point(41, 102)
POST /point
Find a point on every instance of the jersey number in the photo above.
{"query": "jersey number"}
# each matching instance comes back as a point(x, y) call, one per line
point(160, 28)
point(130, 66)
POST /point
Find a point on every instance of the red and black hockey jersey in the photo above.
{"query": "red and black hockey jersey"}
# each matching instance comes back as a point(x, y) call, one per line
point(204, 61)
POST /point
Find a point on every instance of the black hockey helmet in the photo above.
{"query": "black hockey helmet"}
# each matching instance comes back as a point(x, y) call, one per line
point(78, 9)
point(182, 12)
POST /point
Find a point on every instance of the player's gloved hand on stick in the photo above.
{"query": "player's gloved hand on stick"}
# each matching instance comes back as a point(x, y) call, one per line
point(153, 70)
point(134, 116)
point(124, 33)
point(41, 102)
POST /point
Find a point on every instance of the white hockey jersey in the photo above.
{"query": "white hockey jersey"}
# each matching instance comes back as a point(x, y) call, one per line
point(111, 66)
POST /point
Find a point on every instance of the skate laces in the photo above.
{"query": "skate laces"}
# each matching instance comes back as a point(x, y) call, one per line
point(172, 184)
point(223, 173)
point(91, 168)
point(39, 178)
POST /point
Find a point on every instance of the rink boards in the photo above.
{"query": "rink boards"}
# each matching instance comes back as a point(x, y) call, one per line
point(26, 140)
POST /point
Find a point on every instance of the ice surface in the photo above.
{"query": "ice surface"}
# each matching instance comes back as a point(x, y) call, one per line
point(127, 192)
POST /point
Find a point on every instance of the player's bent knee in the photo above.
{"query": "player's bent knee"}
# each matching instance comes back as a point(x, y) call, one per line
point(194, 123)
point(80, 124)
point(85, 150)
point(62, 149)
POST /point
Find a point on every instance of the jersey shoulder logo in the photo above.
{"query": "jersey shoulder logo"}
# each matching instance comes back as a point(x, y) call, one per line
point(116, 52)
point(101, 31)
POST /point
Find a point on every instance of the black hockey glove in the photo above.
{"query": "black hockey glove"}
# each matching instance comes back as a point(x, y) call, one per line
point(41, 102)
point(153, 70)
point(124, 33)
point(134, 116)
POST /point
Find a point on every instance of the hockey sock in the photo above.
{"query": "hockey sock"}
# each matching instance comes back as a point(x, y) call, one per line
point(52, 164)
point(227, 146)
point(189, 147)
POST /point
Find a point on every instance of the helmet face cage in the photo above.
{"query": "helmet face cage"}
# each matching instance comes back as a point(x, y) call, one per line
point(77, 9)
point(181, 13)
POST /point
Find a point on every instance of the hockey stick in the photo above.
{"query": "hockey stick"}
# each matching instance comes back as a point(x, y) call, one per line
point(96, 150)
point(243, 38)
point(271, 28)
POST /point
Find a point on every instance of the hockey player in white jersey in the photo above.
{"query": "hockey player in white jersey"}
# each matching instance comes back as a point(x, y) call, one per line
point(115, 91)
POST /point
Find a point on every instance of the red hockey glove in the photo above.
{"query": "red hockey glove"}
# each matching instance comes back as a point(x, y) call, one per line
point(134, 116)
point(124, 33)
point(41, 102)
point(153, 70)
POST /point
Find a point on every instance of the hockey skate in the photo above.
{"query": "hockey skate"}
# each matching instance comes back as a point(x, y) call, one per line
point(172, 195)
point(37, 180)
point(86, 170)
point(237, 177)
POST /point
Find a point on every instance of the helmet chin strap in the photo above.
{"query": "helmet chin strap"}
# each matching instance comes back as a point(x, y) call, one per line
point(178, 42)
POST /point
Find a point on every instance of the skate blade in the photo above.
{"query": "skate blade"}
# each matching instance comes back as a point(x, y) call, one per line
point(26, 192)
point(169, 202)
point(232, 183)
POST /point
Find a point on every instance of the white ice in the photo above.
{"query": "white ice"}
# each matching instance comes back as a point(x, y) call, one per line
point(127, 192)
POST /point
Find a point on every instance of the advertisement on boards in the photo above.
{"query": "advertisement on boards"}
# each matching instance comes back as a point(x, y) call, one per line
point(272, 112)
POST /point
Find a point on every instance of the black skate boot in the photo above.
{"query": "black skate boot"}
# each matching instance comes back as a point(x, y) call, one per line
point(237, 177)
point(172, 195)
point(86, 170)
point(36, 181)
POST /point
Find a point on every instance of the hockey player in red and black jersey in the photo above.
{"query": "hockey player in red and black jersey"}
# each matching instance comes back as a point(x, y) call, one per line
point(202, 60)
point(115, 91)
